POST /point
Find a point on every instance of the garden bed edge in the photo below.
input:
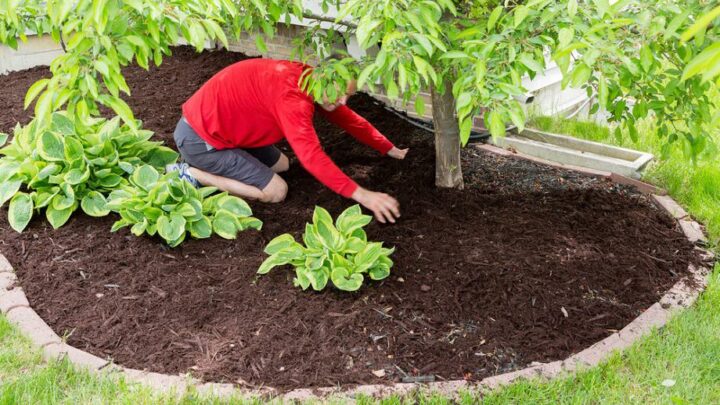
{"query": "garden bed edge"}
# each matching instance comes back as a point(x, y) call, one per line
point(15, 306)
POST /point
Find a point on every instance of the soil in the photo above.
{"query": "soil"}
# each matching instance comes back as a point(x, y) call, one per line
point(528, 263)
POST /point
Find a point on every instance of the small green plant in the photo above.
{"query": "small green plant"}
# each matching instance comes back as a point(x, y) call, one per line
point(69, 164)
point(339, 252)
point(171, 207)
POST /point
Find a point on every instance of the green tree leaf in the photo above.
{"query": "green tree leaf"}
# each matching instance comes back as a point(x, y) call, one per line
point(700, 24)
point(43, 107)
point(581, 75)
point(121, 108)
point(496, 124)
point(494, 17)
point(521, 13)
point(260, 44)
point(572, 8)
point(565, 36)
point(646, 58)
point(531, 63)
point(703, 61)
point(365, 30)
point(420, 105)
point(34, 90)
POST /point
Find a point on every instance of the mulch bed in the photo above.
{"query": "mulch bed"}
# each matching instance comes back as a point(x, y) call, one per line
point(528, 263)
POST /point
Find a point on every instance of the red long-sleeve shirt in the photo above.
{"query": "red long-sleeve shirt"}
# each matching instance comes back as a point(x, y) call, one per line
point(257, 102)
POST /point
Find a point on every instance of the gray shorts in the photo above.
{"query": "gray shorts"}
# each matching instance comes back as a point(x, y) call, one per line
point(249, 166)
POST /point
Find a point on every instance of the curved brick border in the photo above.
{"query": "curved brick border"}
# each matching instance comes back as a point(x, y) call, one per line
point(16, 308)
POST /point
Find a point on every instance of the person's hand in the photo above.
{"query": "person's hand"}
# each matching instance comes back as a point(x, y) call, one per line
point(382, 205)
point(398, 153)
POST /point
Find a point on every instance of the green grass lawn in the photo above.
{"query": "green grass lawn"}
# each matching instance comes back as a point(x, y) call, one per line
point(686, 351)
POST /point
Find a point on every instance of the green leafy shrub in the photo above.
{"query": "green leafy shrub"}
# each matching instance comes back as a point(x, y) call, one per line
point(339, 252)
point(69, 164)
point(171, 207)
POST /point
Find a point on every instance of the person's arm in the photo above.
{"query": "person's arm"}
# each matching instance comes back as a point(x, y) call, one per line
point(358, 127)
point(295, 119)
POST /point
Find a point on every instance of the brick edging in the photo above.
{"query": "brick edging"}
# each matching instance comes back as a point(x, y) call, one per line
point(15, 306)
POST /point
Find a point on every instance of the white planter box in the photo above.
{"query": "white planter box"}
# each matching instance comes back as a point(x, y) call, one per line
point(577, 152)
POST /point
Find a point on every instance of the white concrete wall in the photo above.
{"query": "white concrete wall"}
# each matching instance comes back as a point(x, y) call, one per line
point(550, 99)
point(37, 51)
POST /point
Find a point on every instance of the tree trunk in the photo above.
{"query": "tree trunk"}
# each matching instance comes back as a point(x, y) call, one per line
point(448, 169)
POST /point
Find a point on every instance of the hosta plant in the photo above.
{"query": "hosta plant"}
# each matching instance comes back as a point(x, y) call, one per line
point(337, 252)
point(170, 207)
point(69, 164)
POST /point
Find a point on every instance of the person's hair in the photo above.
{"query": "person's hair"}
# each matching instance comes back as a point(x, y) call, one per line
point(336, 55)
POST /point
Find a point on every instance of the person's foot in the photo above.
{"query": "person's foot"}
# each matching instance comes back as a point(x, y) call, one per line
point(183, 170)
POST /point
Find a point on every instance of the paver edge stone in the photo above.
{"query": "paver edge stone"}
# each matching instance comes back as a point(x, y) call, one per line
point(14, 304)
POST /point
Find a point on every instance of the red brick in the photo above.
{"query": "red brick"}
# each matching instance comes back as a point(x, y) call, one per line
point(683, 295)
point(494, 149)
point(160, 382)
point(7, 281)
point(641, 186)
point(5, 265)
point(300, 395)
point(705, 254)
point(653, 317)
point(693, 231)
point(79, 358)
point(448, 388)
point(508, 378)
point(672, 207)
point(551, 370)
point(378, 390)
point(584, 170)
point(30, 323)
point(588, 171)
point(14, 298)
point(217, 390)
point(600, 351)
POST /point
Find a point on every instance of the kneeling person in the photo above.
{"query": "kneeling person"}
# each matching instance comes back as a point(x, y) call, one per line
point(229, 127)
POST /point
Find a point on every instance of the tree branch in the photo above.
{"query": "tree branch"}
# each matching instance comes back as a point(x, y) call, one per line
point(316, 17)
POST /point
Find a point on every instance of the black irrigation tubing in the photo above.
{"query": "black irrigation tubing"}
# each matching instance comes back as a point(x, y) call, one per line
point(475, 136)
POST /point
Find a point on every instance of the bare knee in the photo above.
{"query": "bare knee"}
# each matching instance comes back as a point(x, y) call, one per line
point(275, 191)
point(282, 165)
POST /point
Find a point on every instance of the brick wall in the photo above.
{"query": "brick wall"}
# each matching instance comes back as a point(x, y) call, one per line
point(280, 47)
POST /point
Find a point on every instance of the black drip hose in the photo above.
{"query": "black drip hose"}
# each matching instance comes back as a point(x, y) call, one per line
point(475, 136)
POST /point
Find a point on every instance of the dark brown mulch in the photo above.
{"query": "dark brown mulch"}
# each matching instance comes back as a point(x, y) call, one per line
point(529, 263)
